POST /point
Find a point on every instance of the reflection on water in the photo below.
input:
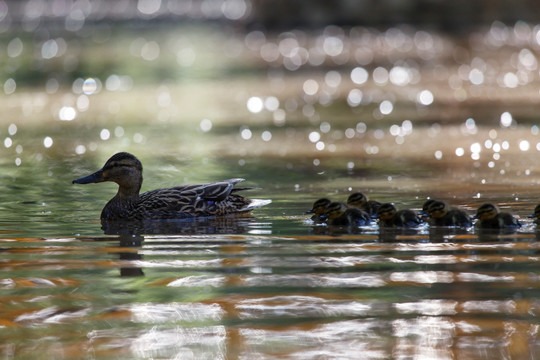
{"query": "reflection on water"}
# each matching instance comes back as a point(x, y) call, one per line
point(204, 225)
point(262, 296)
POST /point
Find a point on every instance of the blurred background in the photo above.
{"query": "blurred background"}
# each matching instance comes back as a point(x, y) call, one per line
point(319, 96)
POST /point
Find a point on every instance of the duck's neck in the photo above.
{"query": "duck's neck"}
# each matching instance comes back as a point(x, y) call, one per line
point(129, 189)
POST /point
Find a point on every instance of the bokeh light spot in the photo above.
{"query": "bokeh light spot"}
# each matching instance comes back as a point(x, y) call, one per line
point(359, 75)
point(205, 125)
point(246, 134)
point(386, 107)
point(255, 104)
point(67, 113)
point(314, 136)
point(15, 47)
point(105, 134)
point(506, 119)
point(48, 142)
point(310, 87)
point(266, 135)
point(425, 97)
point(80, 149)
point(89, 86)
point(10, 86)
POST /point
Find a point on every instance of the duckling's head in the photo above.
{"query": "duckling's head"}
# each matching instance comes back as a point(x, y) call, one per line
point(357, 200)
point(334, 210)
point(386, 211)
point(425, 207)
point(437, 209)
point(319, 206)
point(536, 213)
point(486, 212)
point(123, 169)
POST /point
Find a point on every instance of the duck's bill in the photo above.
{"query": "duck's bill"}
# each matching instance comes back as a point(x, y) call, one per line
point(93, 178)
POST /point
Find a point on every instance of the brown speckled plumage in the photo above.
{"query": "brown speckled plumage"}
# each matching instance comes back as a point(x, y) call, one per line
point(212, 199)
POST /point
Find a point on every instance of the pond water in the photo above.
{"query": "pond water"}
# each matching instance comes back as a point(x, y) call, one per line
point(275, 286)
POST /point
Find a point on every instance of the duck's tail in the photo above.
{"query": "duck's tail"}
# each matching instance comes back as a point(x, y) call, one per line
point(254, 204)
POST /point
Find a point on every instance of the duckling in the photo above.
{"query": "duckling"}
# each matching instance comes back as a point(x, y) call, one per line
point(360, 201)
point(536, 215)
point(489, 217)
point(389, 216)
point(318, 209)
point(338, 214)
point(212, 199)
point(441, 215)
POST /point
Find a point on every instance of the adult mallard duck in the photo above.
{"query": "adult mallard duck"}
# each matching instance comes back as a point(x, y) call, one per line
point(318, 209)
point(360, 201)
point(389, 216)
point(213, 199)
point(441, 215)
point(489, 217)
point(338, 214)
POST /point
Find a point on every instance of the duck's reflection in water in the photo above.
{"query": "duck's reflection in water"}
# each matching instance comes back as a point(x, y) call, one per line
point(442, 234)
point(432, 234)
point(131, 234)
point(195, 226)
point(130, 241)
point(400, 234)
point(497, 235)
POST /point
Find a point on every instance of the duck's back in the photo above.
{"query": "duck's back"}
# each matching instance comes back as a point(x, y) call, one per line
point(406, 218)
point(371, 208)
point(213, 199)
point(506, 220)
point(454, 217)
point(352, 217)
point(501, 221)
point(460, 218)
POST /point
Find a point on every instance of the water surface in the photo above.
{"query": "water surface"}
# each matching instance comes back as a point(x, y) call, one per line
point(450, 125)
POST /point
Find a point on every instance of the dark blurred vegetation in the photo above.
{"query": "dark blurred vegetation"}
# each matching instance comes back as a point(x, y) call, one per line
point(443, 15)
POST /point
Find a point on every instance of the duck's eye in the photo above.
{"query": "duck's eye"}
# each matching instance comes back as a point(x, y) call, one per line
point(117, 165)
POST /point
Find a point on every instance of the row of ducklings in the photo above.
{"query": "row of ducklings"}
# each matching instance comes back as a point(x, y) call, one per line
point(359, 211)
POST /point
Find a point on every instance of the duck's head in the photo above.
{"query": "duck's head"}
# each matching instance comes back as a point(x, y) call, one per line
point(486, 212)
point(319, 206)
point(437, 209)
point(357, 199)
point(123, 169)
point(386, 211)
point(335, 210)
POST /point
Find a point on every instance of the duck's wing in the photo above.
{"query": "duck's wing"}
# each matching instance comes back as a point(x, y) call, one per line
point(192, 200)
point(217, 191)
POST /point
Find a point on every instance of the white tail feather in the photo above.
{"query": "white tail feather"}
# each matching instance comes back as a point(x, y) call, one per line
point(256, 203)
